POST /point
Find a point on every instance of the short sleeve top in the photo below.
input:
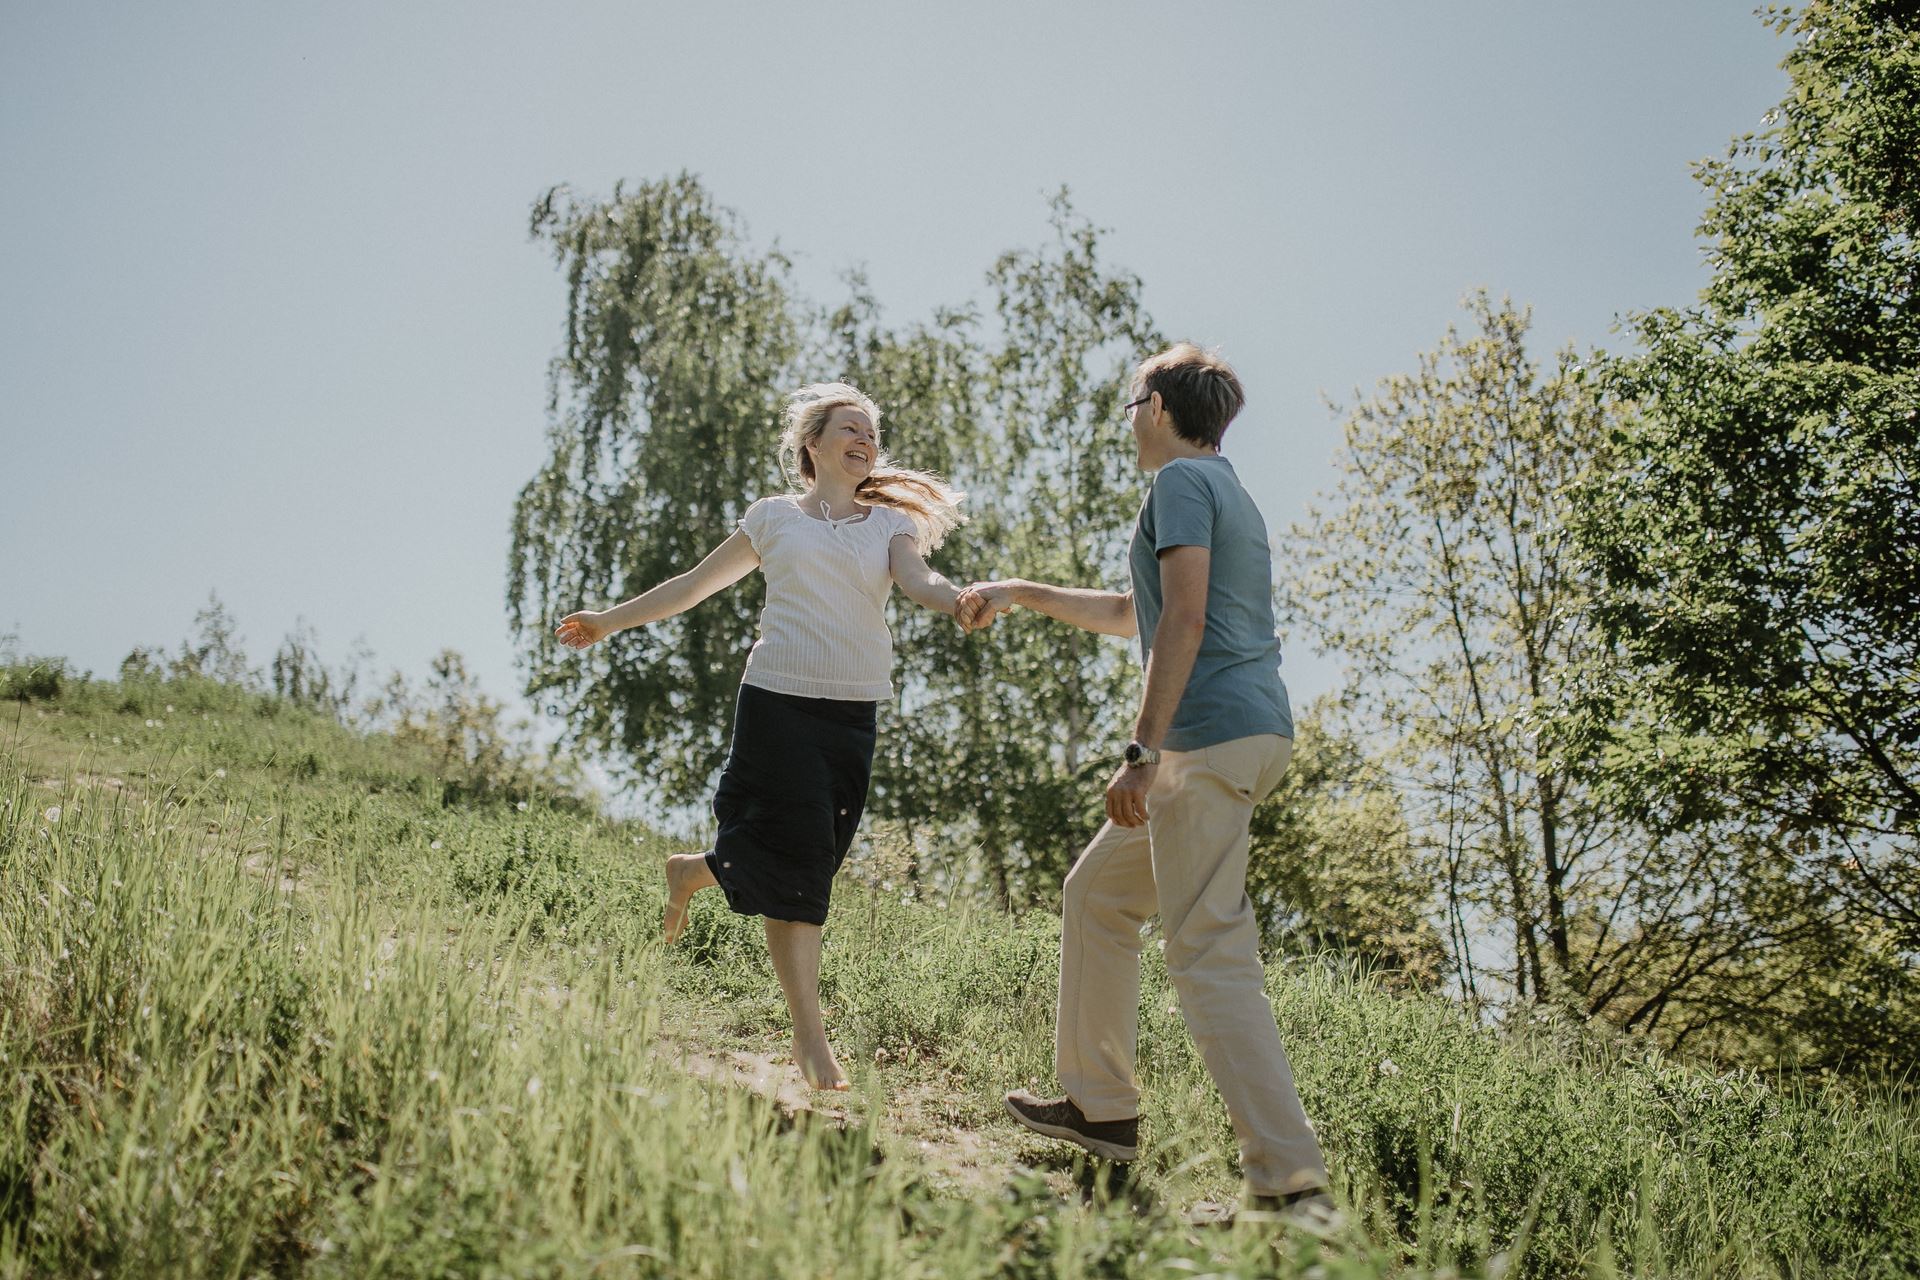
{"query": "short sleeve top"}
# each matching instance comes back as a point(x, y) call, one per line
point(1235, 689)
point(823, 629)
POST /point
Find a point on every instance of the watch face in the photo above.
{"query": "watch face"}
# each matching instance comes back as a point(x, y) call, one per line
point(1133, 753)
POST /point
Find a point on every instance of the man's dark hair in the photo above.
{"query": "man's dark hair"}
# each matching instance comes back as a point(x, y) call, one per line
point(1198, 388)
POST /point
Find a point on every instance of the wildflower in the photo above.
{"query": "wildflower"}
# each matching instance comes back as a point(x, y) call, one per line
point(522, 806)
point(169, 708)
point(533, 1086)
point(1388, 1067)
point(434, 845)
point(53, 814)
point(219, 773)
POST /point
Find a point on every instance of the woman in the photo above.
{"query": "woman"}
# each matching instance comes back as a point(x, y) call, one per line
point(803, 731)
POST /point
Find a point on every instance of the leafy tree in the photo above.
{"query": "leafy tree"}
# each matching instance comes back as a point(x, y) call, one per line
point(478, 752)
point(1441, 574)
point(1071, 331)
point(301, 677)
point(216, 651)
point(1333, 866)
point(932, 768)
point(1757, 544)
point(1001, 740)
point(1755, 551)
point(680, 340)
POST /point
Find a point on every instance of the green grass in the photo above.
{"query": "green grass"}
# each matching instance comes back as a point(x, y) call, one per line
point(270, 1006)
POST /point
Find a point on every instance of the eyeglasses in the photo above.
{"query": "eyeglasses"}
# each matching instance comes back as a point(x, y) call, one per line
point(1131, 405)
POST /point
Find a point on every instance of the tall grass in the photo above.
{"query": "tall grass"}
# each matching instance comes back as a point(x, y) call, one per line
point(269, 1006)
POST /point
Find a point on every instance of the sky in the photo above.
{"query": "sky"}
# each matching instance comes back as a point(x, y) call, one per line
point(271, 324)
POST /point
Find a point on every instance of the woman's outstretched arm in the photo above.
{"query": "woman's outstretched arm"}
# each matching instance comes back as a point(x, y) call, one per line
point(725, 565)
point(918, 579)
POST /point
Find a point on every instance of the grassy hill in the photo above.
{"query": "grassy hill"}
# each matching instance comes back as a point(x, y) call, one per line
point(271, 1005)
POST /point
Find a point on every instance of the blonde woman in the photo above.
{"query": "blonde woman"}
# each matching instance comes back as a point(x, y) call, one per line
point(803, 732)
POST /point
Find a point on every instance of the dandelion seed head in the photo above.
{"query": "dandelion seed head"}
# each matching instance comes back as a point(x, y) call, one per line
point(53, 813)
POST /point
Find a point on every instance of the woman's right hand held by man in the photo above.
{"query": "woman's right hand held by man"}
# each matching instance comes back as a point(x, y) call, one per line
point(982, 602)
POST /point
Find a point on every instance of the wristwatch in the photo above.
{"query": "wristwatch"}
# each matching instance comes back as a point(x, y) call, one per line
point(1139, 757)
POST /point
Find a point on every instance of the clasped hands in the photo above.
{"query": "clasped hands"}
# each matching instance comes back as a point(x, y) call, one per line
point(981, 603)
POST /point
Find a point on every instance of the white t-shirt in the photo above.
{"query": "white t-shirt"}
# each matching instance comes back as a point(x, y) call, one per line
point(823, 629)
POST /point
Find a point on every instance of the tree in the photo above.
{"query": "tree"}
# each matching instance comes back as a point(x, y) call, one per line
point(930, 766)
point(1004, 739)
point(1333, 866)
point(302, 678)
point(476, 751)
point(665, 402)
point(680, 343)
point(216, 651)
point(1754, 550)
point(1442, 574)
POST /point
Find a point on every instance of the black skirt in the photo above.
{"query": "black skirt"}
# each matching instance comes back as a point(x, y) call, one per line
point(789, 801)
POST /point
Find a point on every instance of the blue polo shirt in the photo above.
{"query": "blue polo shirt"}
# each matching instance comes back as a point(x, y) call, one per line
point(1235, 690)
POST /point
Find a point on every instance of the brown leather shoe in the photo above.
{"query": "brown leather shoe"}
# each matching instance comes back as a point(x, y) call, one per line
point(1060, 1118)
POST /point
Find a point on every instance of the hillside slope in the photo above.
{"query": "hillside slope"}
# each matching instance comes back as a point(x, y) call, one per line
point(271, 1005)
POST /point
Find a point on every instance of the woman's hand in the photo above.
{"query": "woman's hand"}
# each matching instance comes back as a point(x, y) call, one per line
point(578, 630)
point(982, 602)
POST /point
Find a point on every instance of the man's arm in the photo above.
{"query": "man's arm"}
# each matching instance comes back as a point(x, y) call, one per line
point(1176, 641)
point(1109, 613)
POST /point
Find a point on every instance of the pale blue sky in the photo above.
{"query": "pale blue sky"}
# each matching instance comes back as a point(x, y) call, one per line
point(270, 323)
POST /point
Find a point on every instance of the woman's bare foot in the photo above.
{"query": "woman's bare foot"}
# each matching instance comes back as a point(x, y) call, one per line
point(818, 1065)
point(687, 874)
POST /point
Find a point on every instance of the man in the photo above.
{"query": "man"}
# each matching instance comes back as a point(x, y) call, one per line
point(1213, 736)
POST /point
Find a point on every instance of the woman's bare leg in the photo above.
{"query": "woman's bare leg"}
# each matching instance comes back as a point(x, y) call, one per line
point(795, 949)
point(687, 874)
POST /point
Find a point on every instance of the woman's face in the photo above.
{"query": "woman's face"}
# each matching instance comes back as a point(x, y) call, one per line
point(848, 445)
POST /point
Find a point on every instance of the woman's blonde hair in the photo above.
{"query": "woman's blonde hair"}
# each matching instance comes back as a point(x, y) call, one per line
point(932, 504)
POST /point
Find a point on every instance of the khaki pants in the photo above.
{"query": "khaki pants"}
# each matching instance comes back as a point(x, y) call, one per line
point(1189, 862)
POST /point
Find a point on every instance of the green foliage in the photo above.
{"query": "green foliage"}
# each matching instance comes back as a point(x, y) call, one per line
point(1754, 550)
point(216, 651)
point(303, 679)
point(1000, 740)
point(679, 344)
point(477, 752)
point(1333, 867)
point(29, 679)
point(1439, 572)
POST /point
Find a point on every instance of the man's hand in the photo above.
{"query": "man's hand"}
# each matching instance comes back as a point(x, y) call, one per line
point(982, 602)
point(1127, 795)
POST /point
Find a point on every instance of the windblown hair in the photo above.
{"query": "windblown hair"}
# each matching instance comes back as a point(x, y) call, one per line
point(932, 504)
